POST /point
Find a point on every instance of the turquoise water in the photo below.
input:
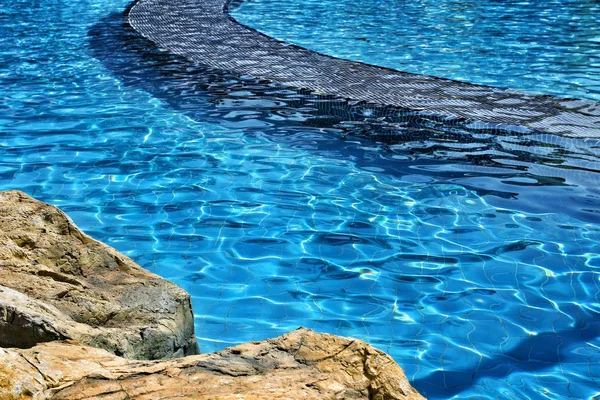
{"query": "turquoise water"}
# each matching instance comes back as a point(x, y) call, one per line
point(550, 47)
point(473, 259)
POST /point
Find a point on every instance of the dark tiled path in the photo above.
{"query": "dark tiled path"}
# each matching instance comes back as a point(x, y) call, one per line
point(203, 32)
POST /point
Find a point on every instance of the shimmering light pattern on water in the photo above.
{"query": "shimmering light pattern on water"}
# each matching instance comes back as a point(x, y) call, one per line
point(473, 259)
point(550, 47)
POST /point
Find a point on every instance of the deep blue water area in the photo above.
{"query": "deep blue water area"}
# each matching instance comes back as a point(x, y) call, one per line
point(550, 47)
point(472, 257)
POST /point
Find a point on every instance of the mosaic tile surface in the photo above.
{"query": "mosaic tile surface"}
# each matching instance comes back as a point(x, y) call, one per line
point(203, 32)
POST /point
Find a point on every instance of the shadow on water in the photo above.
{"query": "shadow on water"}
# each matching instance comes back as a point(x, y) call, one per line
point(534, 354)
point(523, 165)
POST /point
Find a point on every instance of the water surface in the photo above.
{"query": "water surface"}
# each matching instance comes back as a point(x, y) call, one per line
point(472, 258)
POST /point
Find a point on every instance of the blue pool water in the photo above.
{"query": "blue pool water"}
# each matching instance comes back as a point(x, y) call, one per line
point(550, 47)
point(472, 258)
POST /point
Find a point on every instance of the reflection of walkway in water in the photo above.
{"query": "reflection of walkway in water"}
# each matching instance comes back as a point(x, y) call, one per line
point(202, 31)
point(458, 154)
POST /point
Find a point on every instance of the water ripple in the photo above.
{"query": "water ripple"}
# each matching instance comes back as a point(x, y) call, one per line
point(473, 259)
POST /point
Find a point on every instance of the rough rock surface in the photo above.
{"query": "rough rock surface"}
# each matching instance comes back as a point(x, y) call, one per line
point(74, 312)
point(58, 283)
point(299, 365)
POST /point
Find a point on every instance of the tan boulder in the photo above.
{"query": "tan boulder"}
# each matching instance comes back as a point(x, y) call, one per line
point(62, 292)
point(58, 283)
point(299, 365)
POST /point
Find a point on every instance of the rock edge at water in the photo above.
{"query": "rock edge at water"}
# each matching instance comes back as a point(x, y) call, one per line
point(299, 365)
point(58, 283)
point(62, 292)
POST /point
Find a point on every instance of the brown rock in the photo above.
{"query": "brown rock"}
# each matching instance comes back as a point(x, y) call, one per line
point(58, 283)
point(299, 365)
point(62, 291)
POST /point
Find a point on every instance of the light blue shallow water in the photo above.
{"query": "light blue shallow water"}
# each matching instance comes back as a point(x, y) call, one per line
point(550, 47)
point(473, 259)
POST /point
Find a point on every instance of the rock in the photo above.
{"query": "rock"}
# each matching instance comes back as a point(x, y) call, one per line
point(299, 365)
point(57, 283)
point(75, 312)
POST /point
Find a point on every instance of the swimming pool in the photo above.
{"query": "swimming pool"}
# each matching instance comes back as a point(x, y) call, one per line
point(472, 258)
point(550, 47)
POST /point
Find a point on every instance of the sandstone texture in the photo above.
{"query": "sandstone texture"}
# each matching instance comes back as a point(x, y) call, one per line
point(78, 320)
point(299, 365)
point(57, 283)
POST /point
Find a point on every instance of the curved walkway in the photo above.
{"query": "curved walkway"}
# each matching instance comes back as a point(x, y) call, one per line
point(203, 32)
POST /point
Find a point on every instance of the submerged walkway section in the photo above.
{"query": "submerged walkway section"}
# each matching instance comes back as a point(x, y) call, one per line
point(203, 32)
